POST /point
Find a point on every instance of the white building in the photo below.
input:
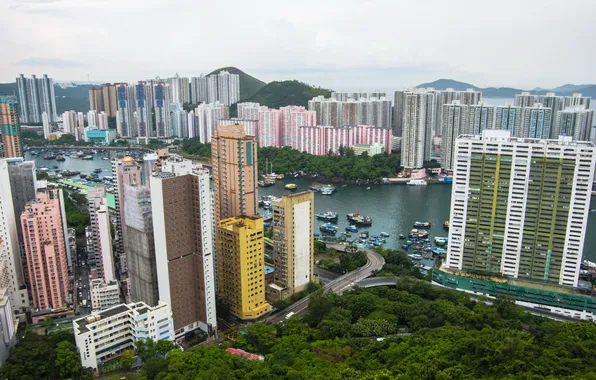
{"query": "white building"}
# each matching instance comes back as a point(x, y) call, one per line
point(575, 121)
point(104, 335)
point(102, 120)
point(8, 326)
point(370, 149)
point(455, 122)
point(104, 295)
point(481, 117)
point(11, 265)
point(198, 90)
point(206, 119)
point(414, 130)
point(45, 122)
point(99, 244)
point(69, 122)
point(536, 121)
point(251, 127)
point(519, 207)
point(249, 110)
point(92, 119)
point(509, 118)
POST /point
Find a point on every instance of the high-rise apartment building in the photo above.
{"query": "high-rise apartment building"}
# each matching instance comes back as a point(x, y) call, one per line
point(293, 225)
point(206, 119)
point(69, 122)
point(179, 122)
point(536, 122)
point(45, 251)
point(11, 265)
point(10, 129)
point(179, 89)
point(482, 116)
point(241, 266)
point(249, 111)
point(104, 98)
point(455, 122)
point(509, 118)
point(125, 117)
point(92, 119)
point(519, 206)
point(251, 127)
point(139, 244)
point(198, 90)
point(375, 111)
point(96, 99)
point(292, 118)
point(578, 100)
point(102, 120)
point(414, 130)
point(104, 295)
point(45, 123)
point(125, 171)
point(269, 127)
point(99, 243)
point(235, 172)
point(183, 225)
point(525, 99)
point(163, 122)
point(36, 95)
point(228, 88)
point(142, 114)
point(575, 121)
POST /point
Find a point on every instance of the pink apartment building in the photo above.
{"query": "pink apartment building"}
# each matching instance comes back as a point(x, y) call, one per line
point(319, 140)
point(299, 119)
point(45, 251)
point(270, 127)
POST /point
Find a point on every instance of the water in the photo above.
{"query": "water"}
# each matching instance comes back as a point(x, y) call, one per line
point(84, 166)
point(394, 208)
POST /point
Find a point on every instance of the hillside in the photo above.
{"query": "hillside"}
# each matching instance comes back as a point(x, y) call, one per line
point(443, 84)
point(288, 92)
point(249, 85)
point(8, 88)
point(72, 98)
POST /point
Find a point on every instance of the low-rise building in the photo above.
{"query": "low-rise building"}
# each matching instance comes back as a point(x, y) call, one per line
point(371, 149)
point(104, 295)
point(104, 335)
point(100, 136)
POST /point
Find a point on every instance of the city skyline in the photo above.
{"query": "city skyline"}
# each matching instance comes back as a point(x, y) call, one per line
point(322, 42)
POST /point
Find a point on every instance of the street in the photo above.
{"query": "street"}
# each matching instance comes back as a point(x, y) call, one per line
point(81, 289)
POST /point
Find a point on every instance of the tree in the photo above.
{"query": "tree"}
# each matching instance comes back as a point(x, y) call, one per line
point(67, 360)
point(127, 359)
point(153, 367)
point(112, 122)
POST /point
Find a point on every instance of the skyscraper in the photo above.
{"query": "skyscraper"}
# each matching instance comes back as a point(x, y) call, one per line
point(142, 114)
point(35, 97)
point(556, 104)
point(455, 122)
point(10, 129)
point(578, 100)
point(206, 117)
point(414, 130)
point(11, 265)
point(125, 171)
point(269, 127)
point(183, 233)
point(241, 266)
point(482, 116)
point(125, 120)
point(198, 90)
point(96, 99)
point(179, 89)
point(45, 251)
point(575, 121)
point(293, 225)
point(525, 99)
point(163, 122)
point(228, 88)
point(69, 122)
point(519, 207)
point(99, 241)
point(235, 172)
point(509, 118)
point(536, 122)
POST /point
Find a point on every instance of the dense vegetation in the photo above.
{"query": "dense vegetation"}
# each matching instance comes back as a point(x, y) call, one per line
point(348, 261)
point(195, 148)
point(51, 356)
point(77, 213)
point(32, 138)
point(285, 93)
point(249, 85)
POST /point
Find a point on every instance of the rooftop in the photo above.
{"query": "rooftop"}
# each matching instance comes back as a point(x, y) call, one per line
point(82, 323)
point(498, 135)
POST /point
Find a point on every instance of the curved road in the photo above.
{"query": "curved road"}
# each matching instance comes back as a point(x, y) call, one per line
point(341, 284)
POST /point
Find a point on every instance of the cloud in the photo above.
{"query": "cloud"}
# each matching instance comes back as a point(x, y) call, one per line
point(48, 62)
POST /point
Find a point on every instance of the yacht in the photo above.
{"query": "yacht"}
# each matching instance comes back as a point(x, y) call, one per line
point(417, 182)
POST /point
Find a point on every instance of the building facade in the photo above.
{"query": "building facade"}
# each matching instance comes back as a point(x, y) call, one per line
point(36, 95)
point(455, 122)
point(235, 172)
point(99, 242)
point(575, 121)
point(181, 206)
point(8, 331)
point(10, 129)
point(206, 119)
point(104, 335)
point(293, 226)
point(241, 266)
point(519, 207)
point(414, 130)
point(45, 252)
point(104, 295)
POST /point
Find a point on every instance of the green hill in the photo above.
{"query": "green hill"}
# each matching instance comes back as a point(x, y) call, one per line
point(248, 85)
point(288, 92)
point(72, 98)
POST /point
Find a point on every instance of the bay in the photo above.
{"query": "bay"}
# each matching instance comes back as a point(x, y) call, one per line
point(394, 208)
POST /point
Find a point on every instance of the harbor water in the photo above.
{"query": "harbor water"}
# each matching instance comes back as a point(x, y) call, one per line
point(394, 208)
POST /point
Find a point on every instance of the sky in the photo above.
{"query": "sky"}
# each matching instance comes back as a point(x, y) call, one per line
point(339, 44)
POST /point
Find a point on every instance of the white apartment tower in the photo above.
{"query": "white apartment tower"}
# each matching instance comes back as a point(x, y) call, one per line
point(509, 118)
point(455, 122)
point(519, 206)
point(536, 122)
point(99, 243)
point(575, 121)
point(414, 130)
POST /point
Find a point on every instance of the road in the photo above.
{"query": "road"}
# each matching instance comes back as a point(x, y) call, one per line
point(340, 285)
point(81, 276)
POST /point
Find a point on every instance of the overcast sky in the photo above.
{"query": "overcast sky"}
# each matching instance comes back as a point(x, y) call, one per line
point(339, 44)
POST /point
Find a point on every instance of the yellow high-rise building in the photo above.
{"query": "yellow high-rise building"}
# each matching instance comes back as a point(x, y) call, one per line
point(293, 228)
point(241, 266)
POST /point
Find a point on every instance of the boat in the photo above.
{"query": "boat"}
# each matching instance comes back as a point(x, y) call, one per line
point(384, 234)
point(280, 176)
point(415, 256)
point(364, 235)
point(327, 190)
point(402, 236)
point(360, 220)
point(422, 224)
point(416, 182)
point(441, 241)
point(98, 170)
point(418, 234)
point(368, 188)
point(329, 215)
point(266, 183)
point(88, 158)
point(446, 224)
point(328, 228)
point(291, 186)
point(70, 173)
point(352, 229)
point(60, 158)
point(105, 158)
point(49, 156)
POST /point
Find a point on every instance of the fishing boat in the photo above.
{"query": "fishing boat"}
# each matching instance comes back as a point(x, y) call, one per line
point(98, 170)
point(359, 220)
point(291, 186)
point(327, 190)
point(49, 156)
point(328, 228)
point(441, 241)
point(446, 224)
point(266, 183)
point(70, 173)
point(402, 236)
point(384, 234)
point(89, 158)
point(60, 158)
point(422, 224)
point(352, 229)
point(329, 215)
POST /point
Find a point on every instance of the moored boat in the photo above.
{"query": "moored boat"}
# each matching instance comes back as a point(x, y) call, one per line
point(359, 220)
point(352, 229)
point(88, 158)
point(329, 215)
point(384, 234)
point(328, 228)
point(422, 224)
point(417, 182)
point(446, 224)
point(98, 170)
point(70, 173)
point(291, 186)
point(60, 158)
point(49, 156)
point(402, 236)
